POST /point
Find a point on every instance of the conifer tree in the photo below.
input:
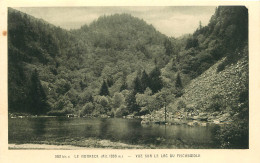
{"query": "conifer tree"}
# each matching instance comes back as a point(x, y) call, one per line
point(155, 80)
point(110, 81)
point(200, 25)
point(144, 81)
point(168, 47)
point(37, 96)
point(178, 83)
point(178, 86)
point(123, 86)
point(131, 103)
point(104, 89)
point(137, 85)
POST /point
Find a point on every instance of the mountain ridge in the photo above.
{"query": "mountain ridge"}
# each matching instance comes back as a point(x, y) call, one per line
point(115, 49)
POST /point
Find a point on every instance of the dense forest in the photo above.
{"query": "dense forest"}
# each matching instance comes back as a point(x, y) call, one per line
point(119, 65)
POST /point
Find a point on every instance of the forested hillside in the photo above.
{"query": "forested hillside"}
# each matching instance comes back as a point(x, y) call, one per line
point(119, 65)
point(69, 67)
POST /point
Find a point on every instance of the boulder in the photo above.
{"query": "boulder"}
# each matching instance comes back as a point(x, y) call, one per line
point(216, 121)
point(203, 118)
point(144, 122)
point(203, 114)
point(203, 124)
point(226, 115)
point(215, 113)
point(193, 123)
point(223, 119)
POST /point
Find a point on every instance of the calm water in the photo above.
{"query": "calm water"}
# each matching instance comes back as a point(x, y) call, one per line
point(129, 131)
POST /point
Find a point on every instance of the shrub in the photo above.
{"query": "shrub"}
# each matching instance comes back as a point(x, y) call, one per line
point(221, 66)
point(121, 111)
point(87, 109)
point(216, 103)
point(192, 43)
point(144, 110)
point(181, 104)
point(117, 100)
point(178, 92)
point(99, 110)
point(233, 135)
point(62, 112)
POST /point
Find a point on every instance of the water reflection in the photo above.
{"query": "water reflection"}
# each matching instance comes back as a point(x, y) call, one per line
point(104, 129)
point(165, 129)
point(114, 129)
point(38, 126)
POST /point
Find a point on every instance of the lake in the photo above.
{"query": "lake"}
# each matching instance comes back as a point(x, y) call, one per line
point(60, 130)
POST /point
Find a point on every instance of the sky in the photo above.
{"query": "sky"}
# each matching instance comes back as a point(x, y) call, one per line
point(172, 21)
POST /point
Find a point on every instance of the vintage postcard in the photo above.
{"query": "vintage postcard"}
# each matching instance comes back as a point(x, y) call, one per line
point(129, 82)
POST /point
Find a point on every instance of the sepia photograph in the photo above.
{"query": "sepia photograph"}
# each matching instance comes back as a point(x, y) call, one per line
point(129, 81)
point(128, 77)
point(161, 77)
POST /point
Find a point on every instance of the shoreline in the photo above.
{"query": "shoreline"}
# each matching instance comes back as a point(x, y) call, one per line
point(42, 147)
point(85, 144)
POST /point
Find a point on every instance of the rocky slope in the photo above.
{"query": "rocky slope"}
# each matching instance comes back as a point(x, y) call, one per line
point(213, 97)
point(227, 84)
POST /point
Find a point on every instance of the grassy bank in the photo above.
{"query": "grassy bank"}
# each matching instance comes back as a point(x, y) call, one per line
point(74, 144)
